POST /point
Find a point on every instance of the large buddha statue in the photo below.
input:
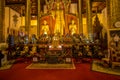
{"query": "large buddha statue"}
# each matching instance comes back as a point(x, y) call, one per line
point(58, 16)
point(73, 27)
point(45, 27)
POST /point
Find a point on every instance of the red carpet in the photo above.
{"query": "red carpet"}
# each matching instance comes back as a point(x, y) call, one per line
point(82, 72)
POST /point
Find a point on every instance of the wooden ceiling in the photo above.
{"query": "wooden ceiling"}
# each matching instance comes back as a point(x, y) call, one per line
point(19, 5)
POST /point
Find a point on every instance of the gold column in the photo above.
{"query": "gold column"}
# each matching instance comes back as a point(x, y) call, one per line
point(108, 12)
point(80, 16)
point(118, 10)
point(89, 19)
point(38, 18)
point(28, 17)
point(2, 15)
point(114, 6)
point(108, 6)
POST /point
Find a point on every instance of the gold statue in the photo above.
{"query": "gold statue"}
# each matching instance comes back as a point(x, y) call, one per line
point(55, 41)
point(45, 27)
point(58, 15)
point(73, 27)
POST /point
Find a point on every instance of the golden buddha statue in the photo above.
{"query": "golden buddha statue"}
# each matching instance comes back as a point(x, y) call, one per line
point(55, 41)
point(58, 15)
point(45, 27)
point(73, 27)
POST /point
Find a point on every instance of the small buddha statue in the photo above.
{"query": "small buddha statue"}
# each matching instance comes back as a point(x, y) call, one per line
point(45, 27)
point(55, 41)
point(73, 27)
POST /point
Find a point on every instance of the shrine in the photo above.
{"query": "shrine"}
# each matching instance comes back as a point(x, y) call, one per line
point(52, 31)
point(58, 36)
point(58, 17)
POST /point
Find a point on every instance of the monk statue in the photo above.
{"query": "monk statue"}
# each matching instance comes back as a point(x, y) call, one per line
point(73, 27)
point(58, 16)
point(45, 27)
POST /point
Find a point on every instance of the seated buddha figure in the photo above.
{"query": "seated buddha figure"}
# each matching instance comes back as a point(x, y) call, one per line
point(72, 27)
point(55, 40)
point(45, 27)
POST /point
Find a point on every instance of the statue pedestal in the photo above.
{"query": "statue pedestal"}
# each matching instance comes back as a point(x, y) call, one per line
point(53, 54)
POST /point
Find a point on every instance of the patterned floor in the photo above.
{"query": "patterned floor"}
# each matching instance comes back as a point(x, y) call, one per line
point(50, 66)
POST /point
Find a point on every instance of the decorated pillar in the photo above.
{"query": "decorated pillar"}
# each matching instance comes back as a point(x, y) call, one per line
point(117, 10)
point(28, 17)
point(89, 19)
point(38, 18)
point(80, 17)
point(2, 28)
point(108, 12)
point(108, 6)
point(113, 12)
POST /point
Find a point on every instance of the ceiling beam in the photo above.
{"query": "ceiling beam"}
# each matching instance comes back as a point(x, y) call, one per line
point(98, 0)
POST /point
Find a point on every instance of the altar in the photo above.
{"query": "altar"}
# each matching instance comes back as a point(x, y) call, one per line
point(57, 27)
point(54, 55)
point(53, 52)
